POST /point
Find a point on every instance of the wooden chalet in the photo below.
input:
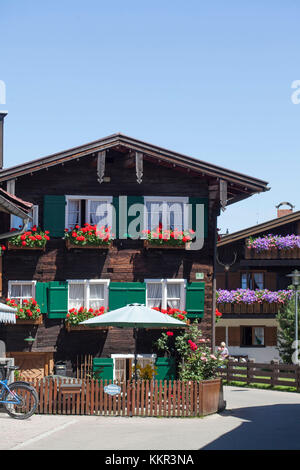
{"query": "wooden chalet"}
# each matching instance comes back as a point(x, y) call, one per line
point(66, 189)
point(250, 330)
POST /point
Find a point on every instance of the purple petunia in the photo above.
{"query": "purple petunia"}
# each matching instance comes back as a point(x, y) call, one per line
point(248, 296)
point(274, 241)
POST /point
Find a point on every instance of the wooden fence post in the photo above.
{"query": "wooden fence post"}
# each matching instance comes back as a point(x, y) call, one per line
point(275, 371)
point(250, 370)
point(297, 371)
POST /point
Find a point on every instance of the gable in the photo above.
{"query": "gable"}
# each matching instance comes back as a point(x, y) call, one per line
point(239, 186)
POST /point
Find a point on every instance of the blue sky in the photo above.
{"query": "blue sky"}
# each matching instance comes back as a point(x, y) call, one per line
point(210, 79)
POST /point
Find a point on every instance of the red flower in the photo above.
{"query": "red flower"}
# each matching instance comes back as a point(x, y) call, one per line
point(169, 333)
point(24, 243)
point(3, 247)
point(218, 314)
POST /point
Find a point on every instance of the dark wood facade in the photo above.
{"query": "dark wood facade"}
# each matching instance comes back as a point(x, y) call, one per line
point(127, 260)
point(273, 267)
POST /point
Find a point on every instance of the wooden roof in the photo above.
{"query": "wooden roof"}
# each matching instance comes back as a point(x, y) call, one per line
point(260, 228)
point(240, 186)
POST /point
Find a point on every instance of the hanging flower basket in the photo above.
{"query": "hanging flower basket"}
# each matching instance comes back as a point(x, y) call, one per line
point(88, 237)
point(34, 239)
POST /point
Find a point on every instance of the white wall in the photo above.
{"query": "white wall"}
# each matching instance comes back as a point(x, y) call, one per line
point(266, 354)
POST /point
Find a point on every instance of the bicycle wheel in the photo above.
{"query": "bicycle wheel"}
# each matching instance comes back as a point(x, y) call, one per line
point(28, 398)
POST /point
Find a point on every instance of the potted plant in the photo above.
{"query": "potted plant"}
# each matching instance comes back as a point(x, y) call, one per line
point(34, 239)
point(88, 236)
point(28, 312)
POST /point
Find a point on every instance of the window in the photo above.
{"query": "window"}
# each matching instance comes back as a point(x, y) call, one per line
point(252, 336)
point(21, 290)
point(17, 222)
point(171, 213)
point(252, 280)
point(165, 293)
point(94, 210)
point(88, 293)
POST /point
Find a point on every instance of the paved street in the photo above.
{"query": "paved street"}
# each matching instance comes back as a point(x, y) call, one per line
point(254, 419)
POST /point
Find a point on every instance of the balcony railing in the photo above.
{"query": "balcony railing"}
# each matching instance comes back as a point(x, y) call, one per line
point(273, 247)
point(255, 308)
point(273, 253)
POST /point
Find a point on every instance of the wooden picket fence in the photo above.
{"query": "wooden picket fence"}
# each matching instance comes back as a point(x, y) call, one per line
point(141, 398)
point(273, 374)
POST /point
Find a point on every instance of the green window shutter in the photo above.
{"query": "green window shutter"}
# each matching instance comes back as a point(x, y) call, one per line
point(123, 293)
point(54, 215)
point(116, 226)
point(103, 368)
point(131, 200)
point(165, 368)
point(41, 289)
point(57, 299)
point(193, 223)
point(195, 299)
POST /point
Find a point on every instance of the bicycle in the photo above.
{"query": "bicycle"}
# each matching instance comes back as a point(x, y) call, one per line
point(20, 399)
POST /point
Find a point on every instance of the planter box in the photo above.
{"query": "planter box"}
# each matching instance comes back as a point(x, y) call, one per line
point(273, 253)
point(149, 245)
point(37, 321)
point(10, 246)
point(72, 246)
point(85, 328)
point(256, 307)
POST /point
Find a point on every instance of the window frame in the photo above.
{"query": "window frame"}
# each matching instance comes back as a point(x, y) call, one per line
point(86, 283)
point(34, 213)
point(167, 200)
point(88, 199)
point(130, 356)
point(18, 282)
point(242, 345)
point(165, 282)
point(263, 272)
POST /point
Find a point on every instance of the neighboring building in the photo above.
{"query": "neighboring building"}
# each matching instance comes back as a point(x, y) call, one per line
point(251, 330)
point(70, 188)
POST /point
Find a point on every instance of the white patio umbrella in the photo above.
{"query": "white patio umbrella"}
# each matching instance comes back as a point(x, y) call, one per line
point(135, 316)
point(7, 314)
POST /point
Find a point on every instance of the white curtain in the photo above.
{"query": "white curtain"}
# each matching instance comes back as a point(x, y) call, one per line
point(99, 213)
point(76, 295)
point(20, 292)
point(96, 296)
point(259, 336)
point(73, 213)
point(154, 294)
point(173, 295)
point(155, 214)
point(175, 217)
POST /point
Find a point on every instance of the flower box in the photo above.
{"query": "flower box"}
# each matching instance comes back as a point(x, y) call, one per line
point(11, 246)
point(36, 321)
point(165, 246)
point(255, 308)
point(85, 328)
point(273, 247)
point(72, 246)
